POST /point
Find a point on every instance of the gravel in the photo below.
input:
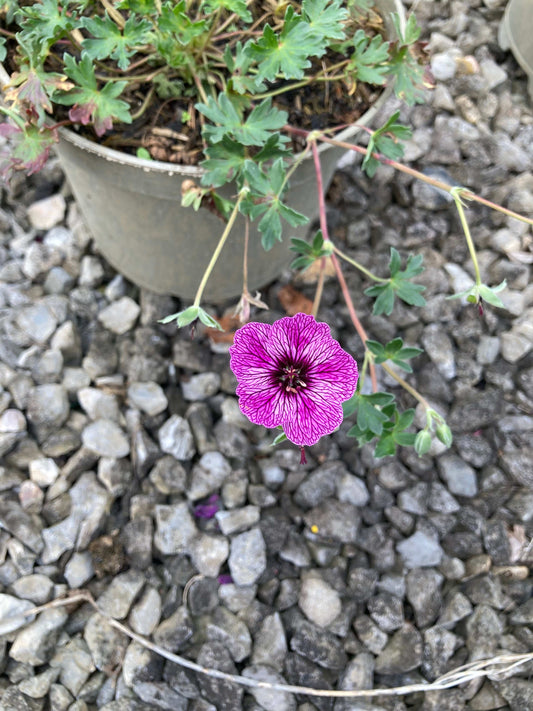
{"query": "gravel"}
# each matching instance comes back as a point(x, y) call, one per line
point(128, 470)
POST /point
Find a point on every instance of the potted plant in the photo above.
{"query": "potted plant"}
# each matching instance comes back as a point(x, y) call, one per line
point(249, 94)
point(149, 99)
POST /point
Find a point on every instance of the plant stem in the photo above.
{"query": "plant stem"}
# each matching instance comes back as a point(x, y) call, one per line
point(340, 276)
point(245, 256)
point(219, 247)
point(351, 261)
point(147, 100)
point(467, 194)
point(468, 237)
point(319, 287)
point(114, 13)
point(353, 315)
point(405, 385)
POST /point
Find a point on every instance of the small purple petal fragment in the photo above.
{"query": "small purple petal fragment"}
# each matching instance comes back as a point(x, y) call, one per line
point(225, 580)
point(293, 374)
point(209, 508)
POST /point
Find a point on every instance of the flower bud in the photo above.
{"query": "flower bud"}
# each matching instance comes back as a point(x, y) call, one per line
point(444, 433)
point(422, 442)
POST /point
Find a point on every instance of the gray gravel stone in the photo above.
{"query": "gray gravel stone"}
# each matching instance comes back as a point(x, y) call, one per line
point(106, 644)
point(47, 408)
point(48, 212)
point(117, 599)
point(12, 611)
point(208, 554)
point(208, 475)
point(175, 437)
point(387, 611)
point(106, 439)
point(79, 570)
point(459, 476)
point(37, 588)
point(319, 602)
point(270, 643)
point(120, 316)
point(402, 653)
point(98, 404)
point(146, 613)
point(420, 550)
point(201, 386)
point(35, 643)
point(227, 628)
point(148, 397)
point(335, 519)
point(424, 594)
point(175, 528)
point(269, 699)
point(439, 348)
point(237, 520)
point(174, 632)
point(247, 560)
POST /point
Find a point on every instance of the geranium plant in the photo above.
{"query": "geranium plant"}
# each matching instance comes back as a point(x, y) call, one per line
point(247, 90)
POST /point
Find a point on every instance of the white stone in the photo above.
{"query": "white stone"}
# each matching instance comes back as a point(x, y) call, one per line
point(79, 569)
point(319, 602)
point(148, 397)
point(48, 212)
point(120, 316)
point(12, 420)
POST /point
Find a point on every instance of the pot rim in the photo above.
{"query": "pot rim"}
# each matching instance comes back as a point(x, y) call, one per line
point(156, 166)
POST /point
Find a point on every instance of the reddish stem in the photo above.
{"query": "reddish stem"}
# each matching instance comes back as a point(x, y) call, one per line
point(340, 276)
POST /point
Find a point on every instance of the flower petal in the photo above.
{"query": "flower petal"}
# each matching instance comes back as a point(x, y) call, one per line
point(312, 419)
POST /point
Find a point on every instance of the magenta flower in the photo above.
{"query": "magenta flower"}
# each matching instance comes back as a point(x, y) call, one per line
point(292, 374)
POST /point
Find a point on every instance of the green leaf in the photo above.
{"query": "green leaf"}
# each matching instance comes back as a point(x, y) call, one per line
point(325, 18)
point(393, 351)
point(228, 120)
point(184, 318)
point(91, 104)
point(208, 320)
point(405, 67)
point(385, 142)
point(112, 42)
point(287, 55)
point(369, 415)
point(225, 161)
point(143, 153)
point(280, 438)
point(29, 149)
point(175, 22)
point(488, 294)
point(45, 22)
point(369, 59)
point(398, 285)
point(238, 7)
point(3, 50)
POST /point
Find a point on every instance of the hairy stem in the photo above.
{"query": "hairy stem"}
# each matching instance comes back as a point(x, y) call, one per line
point(405, 385)
point(355, 264)
point(467, 194)
point(319, 287)
point(466, 229)
point(218, 249)
point(340, 276)
point(353, 315)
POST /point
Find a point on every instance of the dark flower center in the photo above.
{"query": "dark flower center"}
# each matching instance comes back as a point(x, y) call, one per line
point(291, 378)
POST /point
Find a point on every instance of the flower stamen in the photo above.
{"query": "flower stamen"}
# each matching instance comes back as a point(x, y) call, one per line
point(292, 375)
